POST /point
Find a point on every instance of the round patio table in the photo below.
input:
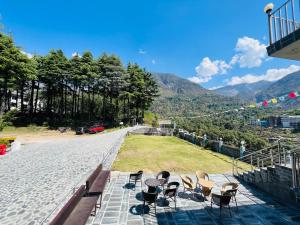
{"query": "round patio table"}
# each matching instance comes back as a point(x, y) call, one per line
point(152, 184)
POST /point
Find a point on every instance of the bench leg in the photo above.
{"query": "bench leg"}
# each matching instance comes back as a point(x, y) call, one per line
point(95, 211)
point(100, 202)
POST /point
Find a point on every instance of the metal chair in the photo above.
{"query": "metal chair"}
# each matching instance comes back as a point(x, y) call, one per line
point(163, 177)
point(149, 198)
point(171, 191)
point(136, 177)
point(203, 175)
point(221, 200)
point(188, 184)
point(230, 189)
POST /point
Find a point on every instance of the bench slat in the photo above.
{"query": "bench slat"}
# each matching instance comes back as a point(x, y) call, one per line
point(65, 212)
point(99, 184)
point(82, 211)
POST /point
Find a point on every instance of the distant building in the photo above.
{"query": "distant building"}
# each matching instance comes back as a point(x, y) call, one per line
point(290, 121)
point(167, 124)
point(274, 121)
point(258, 122)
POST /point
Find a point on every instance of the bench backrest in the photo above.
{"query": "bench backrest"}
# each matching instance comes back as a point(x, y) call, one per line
point(93, 177)
point(65, 212)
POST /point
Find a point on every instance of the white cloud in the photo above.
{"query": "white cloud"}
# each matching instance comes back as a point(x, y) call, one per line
point(195, 80)
point(250, 53)
point(207, 69)
point(76, 54)
point(270, 75)
point(142, 51)
point(215, 87)
point(29, 55)
point(153, 61)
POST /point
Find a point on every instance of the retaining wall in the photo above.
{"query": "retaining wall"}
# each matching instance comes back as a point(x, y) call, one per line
point(213, 145)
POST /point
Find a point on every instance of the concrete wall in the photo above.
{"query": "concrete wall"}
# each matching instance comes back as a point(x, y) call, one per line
point(213, 145)
point(276, 181)
point(153, 131)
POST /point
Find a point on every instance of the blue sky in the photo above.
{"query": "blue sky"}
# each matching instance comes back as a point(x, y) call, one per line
point(210, 43)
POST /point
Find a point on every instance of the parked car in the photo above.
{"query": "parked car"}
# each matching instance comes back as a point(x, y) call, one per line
point(96, 129)
point(82, 130)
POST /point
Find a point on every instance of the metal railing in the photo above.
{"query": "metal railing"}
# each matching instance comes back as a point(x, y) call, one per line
point(278, 154)
point(283, 21)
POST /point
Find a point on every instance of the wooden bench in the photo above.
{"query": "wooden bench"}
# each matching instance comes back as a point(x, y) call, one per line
point(95, 184)
point(77, 210)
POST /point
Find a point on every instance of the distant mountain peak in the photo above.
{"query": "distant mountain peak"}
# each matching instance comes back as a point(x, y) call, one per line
point(181, 97)
point(244, 91)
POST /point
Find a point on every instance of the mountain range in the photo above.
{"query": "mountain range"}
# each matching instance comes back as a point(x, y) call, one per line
point(181, 97)
point(245, 92)
point(263, 90)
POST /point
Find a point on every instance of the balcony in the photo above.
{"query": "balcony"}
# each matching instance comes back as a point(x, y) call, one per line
point(284, 30)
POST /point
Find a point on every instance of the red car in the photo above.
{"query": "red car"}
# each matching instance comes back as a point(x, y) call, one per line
point(96, 129)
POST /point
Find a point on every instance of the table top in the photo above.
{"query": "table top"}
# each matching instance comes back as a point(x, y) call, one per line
point(206, 183)
point(152, 182)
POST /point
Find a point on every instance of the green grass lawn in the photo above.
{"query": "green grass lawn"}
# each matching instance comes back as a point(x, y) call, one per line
point(156, 153)
point(23, 130)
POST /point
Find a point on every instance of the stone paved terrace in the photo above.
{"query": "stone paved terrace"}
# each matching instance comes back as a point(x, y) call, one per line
point(123, 205)
point(38, 178)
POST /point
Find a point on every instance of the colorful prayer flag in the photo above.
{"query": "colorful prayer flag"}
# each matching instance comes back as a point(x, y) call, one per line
point(274, 101)
point(265, 103)
point(292, 95)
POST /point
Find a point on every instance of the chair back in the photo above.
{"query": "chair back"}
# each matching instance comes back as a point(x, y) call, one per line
point(163, 174)
point(221, 200)
point(149, 197)
point(172, 189)
point(202, 175)
point(187, 181)
point(136, 176)
point(229, 186)
point(170, 192)
point(231, 192)
point(173, 184)
point(225, 199)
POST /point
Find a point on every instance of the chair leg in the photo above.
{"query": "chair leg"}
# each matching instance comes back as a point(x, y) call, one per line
point(175, 201)
point(155, 207)
point(236, 203)
point(143, 207)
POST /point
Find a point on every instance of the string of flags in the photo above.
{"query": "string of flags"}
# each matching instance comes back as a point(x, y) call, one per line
point(266, 103)
point(274, 101)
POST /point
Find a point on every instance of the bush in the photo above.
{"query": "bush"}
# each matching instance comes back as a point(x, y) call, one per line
point(2, 124)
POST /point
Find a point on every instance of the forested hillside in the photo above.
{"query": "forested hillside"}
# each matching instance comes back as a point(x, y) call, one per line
point(54, 89)
point(180, 97)
point(281, 87)
point(245, 92)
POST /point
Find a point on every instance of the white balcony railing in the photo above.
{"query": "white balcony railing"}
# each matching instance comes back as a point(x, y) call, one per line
point(284, 20)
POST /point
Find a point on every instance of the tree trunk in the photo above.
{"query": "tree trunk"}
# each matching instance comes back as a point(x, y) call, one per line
point(22, 97)
point(31, 98)
point(17, 99)
point(36, 97)
point(65, 104)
